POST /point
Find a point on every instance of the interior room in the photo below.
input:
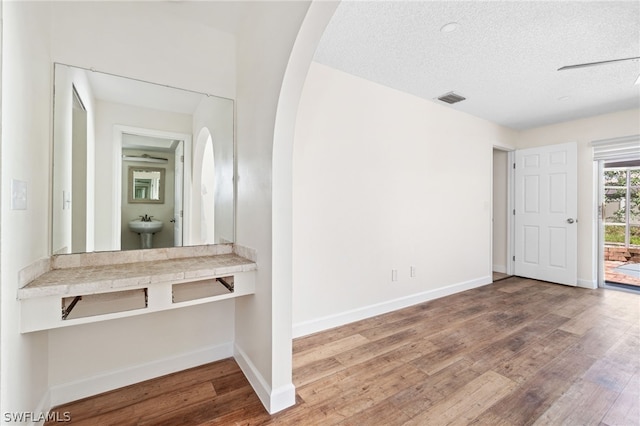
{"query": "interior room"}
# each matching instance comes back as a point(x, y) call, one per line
point(341, 161)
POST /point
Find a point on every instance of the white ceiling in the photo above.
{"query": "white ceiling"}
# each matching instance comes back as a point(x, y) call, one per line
point(503, 57)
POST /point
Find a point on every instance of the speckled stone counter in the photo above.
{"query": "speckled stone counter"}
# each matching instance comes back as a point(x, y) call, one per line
point(104, 278)
point(48, 284)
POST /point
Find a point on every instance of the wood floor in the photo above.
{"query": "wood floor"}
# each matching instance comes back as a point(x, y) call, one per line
point(517, 352)
point(497, 276)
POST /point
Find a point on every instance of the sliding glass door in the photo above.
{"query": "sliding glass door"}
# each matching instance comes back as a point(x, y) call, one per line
point(621, 221)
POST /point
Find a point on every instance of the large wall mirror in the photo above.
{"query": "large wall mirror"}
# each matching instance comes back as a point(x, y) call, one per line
point(125, 150)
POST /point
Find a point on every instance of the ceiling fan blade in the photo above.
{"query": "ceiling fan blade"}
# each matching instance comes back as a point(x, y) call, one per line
point(591, 64)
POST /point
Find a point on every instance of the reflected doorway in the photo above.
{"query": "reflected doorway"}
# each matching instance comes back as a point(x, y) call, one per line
point(155, 150)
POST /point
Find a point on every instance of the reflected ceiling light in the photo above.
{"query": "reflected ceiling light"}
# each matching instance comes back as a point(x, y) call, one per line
point(450, 27)
point(563, 98)
point(638, 80)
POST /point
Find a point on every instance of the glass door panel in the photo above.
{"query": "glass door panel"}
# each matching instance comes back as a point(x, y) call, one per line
point(621, 217)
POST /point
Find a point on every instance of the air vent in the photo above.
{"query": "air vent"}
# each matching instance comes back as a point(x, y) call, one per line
point(451, 98)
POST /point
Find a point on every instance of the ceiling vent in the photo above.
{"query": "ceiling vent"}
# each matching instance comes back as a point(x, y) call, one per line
point(451, 98)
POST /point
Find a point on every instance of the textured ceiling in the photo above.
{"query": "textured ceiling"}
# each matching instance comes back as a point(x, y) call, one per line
point(503, 57)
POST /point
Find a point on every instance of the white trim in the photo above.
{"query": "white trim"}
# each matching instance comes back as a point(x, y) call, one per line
point(44, 406)
point(492, 214)
point(597, 231)
point(511, 206)
point(258, 383)
point(590, 284)
point(274, 400)
point(282, 397)
point(72, 391)
point(330, 321)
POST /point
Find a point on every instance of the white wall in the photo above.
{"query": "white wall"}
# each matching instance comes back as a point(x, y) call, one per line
point(201, 59)
point(382, 181)
point(131, 39)
point(263, 331)
point(583, 132)
point(500, 206)
point(96, 35)
point(26, 104)
point(88, 359)
point(135, 39)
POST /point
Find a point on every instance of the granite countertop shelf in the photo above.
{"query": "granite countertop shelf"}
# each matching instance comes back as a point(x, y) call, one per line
point(118, 276)
point(93, 279)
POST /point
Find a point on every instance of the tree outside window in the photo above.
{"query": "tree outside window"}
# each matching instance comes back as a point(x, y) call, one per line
point(622, 206)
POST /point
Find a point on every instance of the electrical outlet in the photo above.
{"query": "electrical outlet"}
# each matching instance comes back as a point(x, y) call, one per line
point(394, 275)
point(412, 272)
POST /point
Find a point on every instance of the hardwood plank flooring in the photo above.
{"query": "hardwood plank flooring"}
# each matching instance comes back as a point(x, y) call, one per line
point(517, 352)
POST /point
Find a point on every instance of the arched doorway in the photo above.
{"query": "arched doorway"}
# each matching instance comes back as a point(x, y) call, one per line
point(203, 229)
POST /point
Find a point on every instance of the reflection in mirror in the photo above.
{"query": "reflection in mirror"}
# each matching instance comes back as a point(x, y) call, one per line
point(105, 126)
point(146, 184)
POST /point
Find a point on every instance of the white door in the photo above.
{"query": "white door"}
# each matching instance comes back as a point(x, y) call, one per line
point(177, 205)
point(546, 206)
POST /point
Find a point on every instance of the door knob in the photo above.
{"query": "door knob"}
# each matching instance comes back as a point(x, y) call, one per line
point(570, 220)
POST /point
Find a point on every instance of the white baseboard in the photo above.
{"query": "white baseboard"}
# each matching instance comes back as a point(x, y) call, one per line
point(315, 325)
point(274, 400)
point(282, 397)
point(43, 407)
point(72, 391)
point(591, 284)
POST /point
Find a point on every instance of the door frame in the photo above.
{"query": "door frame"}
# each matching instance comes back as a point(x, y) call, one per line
point(510, 225)
point(613, 149)
point(598, 224)
point(599, 191)
point(118, 131)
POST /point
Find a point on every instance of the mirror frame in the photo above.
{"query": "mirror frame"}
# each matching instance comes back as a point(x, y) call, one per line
point(130, 185)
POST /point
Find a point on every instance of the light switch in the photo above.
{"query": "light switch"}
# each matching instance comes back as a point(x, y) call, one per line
point(66, 200)
point(18, 195)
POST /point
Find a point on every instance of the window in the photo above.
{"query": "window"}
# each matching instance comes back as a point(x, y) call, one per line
point(622, 206)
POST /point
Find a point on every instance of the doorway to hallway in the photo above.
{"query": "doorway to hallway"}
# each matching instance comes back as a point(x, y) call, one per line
point(501, 247)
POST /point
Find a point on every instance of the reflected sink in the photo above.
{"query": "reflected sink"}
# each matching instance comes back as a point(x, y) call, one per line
point(145, 227)
point(146, 231)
